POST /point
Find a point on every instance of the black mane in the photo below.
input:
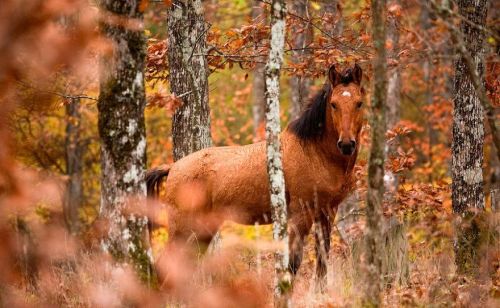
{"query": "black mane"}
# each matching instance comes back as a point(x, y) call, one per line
point(311, 124)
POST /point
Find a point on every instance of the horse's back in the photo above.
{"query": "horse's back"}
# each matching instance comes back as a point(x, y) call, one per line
point(231, 180)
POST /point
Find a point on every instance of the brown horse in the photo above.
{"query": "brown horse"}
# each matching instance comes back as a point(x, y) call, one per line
point(230, 183)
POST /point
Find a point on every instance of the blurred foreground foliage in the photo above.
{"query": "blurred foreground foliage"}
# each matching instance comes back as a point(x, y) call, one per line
point(43, 264)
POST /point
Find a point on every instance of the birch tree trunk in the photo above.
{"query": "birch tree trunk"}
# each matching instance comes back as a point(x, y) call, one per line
point(303, 36)
point(259, 86)
point(123, 141)
point(74, 153)
point(468, 139)
point(273, 150)
point(375, 192)
point(188, 76)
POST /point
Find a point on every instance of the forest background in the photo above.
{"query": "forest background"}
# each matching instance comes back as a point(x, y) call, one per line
point(55, 100)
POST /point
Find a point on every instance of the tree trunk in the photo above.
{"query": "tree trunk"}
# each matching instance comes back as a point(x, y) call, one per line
point(73, 152)
point(495, 171)
point(27, 254)
point(393, 100)
point(425, 17)
point(349, 210)
point(259, 87)
point(468, 139)
point(303, 36)
point(188, 76)
point(395, 266)
point(335, 26)
point(74, 159)
point(375, 192)
point(274, 163)
point(123, 138)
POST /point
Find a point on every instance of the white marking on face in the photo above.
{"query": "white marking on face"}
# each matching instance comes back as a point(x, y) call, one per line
point(346, 93)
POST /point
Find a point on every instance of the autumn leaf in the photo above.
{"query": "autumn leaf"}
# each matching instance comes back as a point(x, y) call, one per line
point(143, 5)
point(365, 38)
point(395, 9)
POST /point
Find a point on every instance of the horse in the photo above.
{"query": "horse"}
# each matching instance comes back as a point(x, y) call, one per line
point(319, 150)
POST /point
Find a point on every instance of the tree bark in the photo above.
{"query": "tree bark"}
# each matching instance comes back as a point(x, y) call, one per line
point(375, 192)
point(345, 217)
point(393, 100)
point(74, 153)
point(468, 139)
point(259, 86)
point(188, 76)
point(395, 266)
point(425, 17)
point(472, 63)
point(468, 129)
point(27, 254)
point(336, 26)
point(274, 162)
point(303, 36)
point(123, 137)
point(495, 171)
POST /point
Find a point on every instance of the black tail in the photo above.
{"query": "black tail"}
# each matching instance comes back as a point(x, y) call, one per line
point(154, 179)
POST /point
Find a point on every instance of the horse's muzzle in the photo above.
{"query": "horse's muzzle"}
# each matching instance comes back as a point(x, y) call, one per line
point(347, 148)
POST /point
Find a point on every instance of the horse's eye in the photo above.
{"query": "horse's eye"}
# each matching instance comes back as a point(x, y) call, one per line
point(334, 106)
point(359, 105)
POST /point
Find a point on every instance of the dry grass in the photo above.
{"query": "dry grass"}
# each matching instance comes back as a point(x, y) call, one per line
point(56, 269)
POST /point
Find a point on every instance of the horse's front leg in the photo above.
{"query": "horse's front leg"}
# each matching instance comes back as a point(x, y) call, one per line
point(322, 246)
point(298, 228)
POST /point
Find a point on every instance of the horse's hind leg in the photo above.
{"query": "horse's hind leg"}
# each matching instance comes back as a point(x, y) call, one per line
point(202, 229)
point(182, 253)
point(200, 242)
point(298, 228)
point(322, 245)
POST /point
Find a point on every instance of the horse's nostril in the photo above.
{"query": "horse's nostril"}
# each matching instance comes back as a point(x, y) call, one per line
point(353, 143)
point(339, 144)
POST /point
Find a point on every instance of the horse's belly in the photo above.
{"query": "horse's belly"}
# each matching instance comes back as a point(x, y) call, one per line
point(243, 204)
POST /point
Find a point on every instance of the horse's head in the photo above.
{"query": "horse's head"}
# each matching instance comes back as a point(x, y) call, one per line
point(345, 107)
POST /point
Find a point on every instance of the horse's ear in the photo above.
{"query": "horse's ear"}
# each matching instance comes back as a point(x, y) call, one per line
point(357, 74)
point(334, 76)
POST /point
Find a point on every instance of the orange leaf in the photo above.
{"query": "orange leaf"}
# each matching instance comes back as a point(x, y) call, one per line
point(143, 5)
point(365, 38)
point(395, 9)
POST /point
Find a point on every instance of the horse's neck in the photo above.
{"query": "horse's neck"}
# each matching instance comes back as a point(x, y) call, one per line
point(333, 155)
point(325, 149)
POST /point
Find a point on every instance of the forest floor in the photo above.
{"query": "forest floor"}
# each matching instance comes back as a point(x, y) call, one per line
point(432, 281)
point(240, 273)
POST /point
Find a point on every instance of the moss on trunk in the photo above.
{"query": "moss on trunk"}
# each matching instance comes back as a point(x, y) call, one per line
point(123, 138)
